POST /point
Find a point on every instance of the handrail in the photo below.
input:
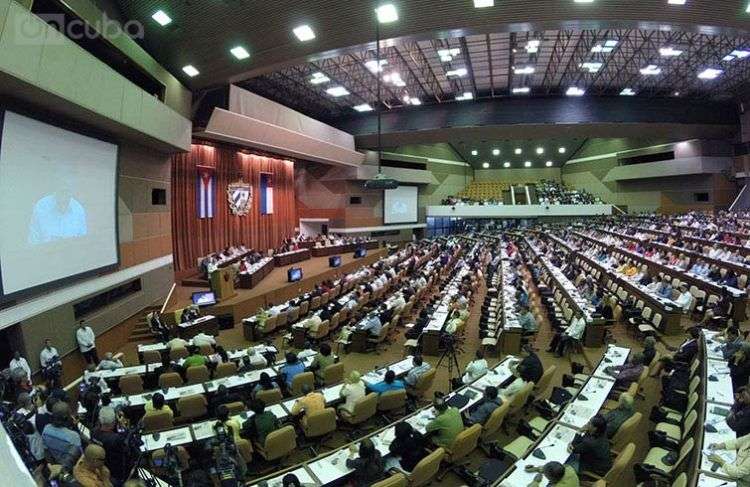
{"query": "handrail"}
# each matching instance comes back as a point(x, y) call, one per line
point(737, 199)
point(622, 212)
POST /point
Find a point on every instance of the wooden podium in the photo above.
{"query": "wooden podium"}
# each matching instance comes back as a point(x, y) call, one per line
point(222, 283)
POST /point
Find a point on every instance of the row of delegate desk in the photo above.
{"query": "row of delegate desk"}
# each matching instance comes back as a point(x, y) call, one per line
point(203, 430)
point(504, 333)
point(716, 398)
point(251, 277)
point(670, 311)
point(595, 330)
point(330, 468)
point(737, 296)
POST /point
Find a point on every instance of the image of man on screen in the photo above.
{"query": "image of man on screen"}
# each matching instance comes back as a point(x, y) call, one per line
point(57, 216)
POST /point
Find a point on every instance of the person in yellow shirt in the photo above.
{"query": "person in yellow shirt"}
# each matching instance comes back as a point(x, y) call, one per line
point(630, 270)
point(157, 405)
point(309, 403)
point(90, 470)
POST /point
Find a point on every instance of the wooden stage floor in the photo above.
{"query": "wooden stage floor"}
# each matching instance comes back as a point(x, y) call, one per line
point(274, 288)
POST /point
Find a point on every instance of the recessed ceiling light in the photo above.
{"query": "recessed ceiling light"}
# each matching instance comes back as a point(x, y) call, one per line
point(240, 52)
point(527, 164)
point(394, 78)
point(161, 17)
point(190, 70)
point(591, 67)
point(575, 91)
point(467, 95)
point(486, 165)
point(669, 52)
point(484, 3)
point(495, 152)
point(676, 93)
point(740, 53)
point(584, 1)
point(540, 150)
point(374, 66)
point(548, 163)
point(710, 73)
point(651, 70)
point(599, 48)
point(474, 152)
point(747, 10)
point(532, 46)
point(387, 13)
point(561, 150)
point(415, 101)
point(447, 55)
point(337, 91)
point(610, 43)
point(506, 164)
point(364, 107)
point(676, 2)
point(627, 92)
point(524, 70)
point(518, 150)
point(522, 91)
point(456, 72)
point(319, 78)
point(304, 33)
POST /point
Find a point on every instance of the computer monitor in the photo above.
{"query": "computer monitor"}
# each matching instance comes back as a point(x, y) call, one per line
point(294, 274)
point(359, 253)
point(204, 298)
point(334, 261)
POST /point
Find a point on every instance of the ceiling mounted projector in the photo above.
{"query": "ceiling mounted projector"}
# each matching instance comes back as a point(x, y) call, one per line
point(381, 182)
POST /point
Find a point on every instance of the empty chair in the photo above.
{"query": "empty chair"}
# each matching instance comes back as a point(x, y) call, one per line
point(236, 407)
point(300, 380)
point(170, 379)
point(192, 407)
point(197, 374)
point(333, 374)
point(655, 458)
point(225, 369)
point(303, 308)
point(152, 357)
point(278, 444)
point(177, 353)
point(131, 384)
point(270, 396)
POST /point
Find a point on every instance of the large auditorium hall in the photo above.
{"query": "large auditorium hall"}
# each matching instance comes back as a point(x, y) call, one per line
point(374, 243)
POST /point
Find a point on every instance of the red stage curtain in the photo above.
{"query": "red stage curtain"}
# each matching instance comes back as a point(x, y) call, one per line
point(194, 237)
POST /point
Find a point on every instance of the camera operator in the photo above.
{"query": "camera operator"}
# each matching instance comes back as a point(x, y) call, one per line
point(114, 443)
point(49, 359)
point(225, 446)
point(24, 416)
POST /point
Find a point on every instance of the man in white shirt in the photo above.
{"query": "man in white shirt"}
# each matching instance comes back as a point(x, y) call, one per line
point(48, 355)
point(201, 339)
point(86, 343)
point(476, 368)
point(685, 299)
point(573, 333)
point(18, 362)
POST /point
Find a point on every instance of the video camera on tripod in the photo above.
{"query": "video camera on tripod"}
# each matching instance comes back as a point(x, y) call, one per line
point(224, 452)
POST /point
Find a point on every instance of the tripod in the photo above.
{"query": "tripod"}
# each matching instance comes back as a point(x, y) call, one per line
point(450, 358)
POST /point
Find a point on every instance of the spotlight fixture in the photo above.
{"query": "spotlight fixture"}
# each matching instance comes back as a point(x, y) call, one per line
point(161, 18)
point(486, 165)
point(386, 13)
point(190, 70)
point(337, 91)
point(364, 107)
point(575, 91)
point(506, 164)
point(304, 33)
point(319, 78)
point(627, 92)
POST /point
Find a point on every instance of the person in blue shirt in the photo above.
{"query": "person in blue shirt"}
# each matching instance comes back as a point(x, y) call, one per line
point(57, 216)
point(523, 298)
point(372, 324)
point(665, 289)
point(292, 368)
point(60, 438)
point(389, 383)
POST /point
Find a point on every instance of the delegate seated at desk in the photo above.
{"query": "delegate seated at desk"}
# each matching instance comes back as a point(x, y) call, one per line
point(372, 324)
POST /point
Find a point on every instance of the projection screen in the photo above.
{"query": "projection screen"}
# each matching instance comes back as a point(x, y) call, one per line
point(58, 204)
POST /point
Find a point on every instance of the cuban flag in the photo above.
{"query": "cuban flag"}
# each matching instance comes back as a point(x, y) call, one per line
point(206, 191)
point(266, 194)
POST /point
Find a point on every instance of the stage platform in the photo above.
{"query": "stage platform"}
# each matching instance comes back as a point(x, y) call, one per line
point(273, 289)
